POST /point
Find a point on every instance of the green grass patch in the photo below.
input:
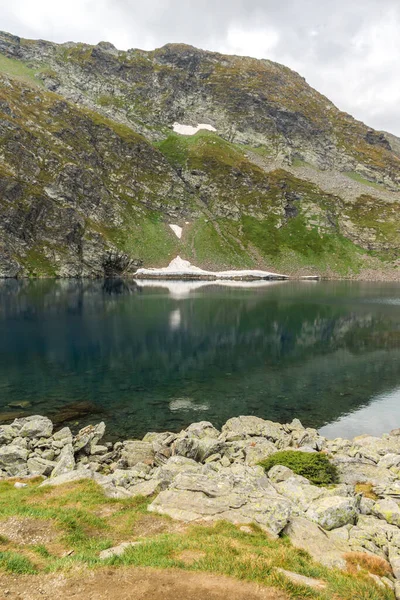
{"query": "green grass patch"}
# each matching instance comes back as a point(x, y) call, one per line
point(360, 179)
point(12, 562)
point(17, 69)
point(315, 467)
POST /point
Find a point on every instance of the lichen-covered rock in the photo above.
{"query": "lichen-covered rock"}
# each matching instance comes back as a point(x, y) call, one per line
point(134, 452)
point(333, 512)
point(239, 428)
point(258, 449)
point(33, 427)
point(309, 536)
point(387, 509)
point(203, 429)
point(87, 437)
point(13, 459)
point(40, 466)
point(65, 462)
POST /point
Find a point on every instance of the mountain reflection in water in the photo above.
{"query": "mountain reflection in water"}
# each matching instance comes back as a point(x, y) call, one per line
point(159, 356)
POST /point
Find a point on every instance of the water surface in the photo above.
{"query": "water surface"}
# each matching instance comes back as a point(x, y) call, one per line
point(147, 358)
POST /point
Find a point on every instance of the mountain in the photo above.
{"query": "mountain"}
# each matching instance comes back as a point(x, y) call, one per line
point(92, 173)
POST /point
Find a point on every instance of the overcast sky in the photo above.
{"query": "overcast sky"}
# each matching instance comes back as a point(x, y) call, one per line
point(347, 49)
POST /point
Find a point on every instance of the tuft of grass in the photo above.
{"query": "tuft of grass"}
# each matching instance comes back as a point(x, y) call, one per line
point(368, 562)
point(367, 490)
point(12, 562)
point(316, 467)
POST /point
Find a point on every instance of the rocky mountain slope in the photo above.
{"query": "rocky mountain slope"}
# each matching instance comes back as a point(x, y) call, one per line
point(92, 173)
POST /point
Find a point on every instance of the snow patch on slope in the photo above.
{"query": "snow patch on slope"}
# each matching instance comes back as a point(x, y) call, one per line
point(177, 230)
point(190, 130)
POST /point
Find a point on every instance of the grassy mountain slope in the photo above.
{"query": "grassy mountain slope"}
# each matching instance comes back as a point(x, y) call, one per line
point(91, 173)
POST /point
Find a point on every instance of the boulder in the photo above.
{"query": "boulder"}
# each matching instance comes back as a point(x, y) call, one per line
point(299, 490)
point(145, 488)
point(310, 537)
point(65, 462)
point(203, 429)
point(333, 512)
point(7, 433)
point(239, 428)
point(257, 450)
point(134, 452)
point(13, 459)
point(388, 510)
point(63, 437)
point(69, 477)
point(40, 466)
point(87, 437)
point(33, 427)
point(117, 550)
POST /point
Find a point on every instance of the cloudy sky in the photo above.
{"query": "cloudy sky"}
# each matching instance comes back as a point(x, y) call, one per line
point(347, 49)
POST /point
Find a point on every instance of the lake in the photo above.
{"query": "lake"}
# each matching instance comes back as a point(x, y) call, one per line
point(154, 357)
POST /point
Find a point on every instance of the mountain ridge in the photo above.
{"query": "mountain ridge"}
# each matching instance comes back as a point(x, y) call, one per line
point(287, 182)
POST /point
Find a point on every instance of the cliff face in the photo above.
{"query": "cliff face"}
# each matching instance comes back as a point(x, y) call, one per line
point(91, 173)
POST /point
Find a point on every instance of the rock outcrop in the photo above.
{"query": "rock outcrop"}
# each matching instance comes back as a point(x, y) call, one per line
point(202, 474)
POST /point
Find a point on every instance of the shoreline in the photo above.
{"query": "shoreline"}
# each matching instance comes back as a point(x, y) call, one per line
point(202, 474)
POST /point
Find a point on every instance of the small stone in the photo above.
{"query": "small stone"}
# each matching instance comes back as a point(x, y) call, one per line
point(316, 584)
point(117, 550)
point(19, 485)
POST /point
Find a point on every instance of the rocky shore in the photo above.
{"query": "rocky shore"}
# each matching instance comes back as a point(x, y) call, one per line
point(202, 474)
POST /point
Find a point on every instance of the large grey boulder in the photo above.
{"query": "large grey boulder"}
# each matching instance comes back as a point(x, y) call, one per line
point(203, 429)
point(238, 494)
point(310, 537)
point(333, 512)
point(388, 510)
point(33, 427)
point(66, 461)
point(7, 433)
point(258, 449)
point(134, 452)
point(62, 437)
point(13, 459)
point(299, 491)
point(69, 477)
point(40, 466)
point(239, 428)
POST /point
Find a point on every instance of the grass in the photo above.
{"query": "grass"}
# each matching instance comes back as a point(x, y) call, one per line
point(315, 467)
point(360, 179)
point(17, 69)
point(86, 522)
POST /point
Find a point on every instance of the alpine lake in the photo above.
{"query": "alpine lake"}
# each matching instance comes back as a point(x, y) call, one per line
point(157, 356)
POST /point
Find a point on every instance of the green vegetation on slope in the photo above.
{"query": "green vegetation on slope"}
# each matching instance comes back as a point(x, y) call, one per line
point(79, 522)
point(17, 69)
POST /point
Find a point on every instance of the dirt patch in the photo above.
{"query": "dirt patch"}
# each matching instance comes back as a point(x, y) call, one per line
point(148, 525)
point(137, 583)
point(25, 530)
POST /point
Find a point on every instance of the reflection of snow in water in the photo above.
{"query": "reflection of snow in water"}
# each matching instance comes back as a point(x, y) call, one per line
point(182, 289)
point(380, 416)
point(186, 403)
point(175, 319)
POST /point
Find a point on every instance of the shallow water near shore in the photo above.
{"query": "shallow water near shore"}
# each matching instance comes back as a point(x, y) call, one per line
point(157, 357)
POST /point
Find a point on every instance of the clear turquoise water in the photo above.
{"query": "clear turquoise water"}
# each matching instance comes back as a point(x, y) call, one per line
point(153, 358)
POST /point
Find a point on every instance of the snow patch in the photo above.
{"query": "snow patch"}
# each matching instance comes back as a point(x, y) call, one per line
point(182, 269)
point(177, 230)
point(190, 130)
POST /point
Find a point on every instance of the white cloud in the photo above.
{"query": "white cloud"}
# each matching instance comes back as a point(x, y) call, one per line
point(348, 51)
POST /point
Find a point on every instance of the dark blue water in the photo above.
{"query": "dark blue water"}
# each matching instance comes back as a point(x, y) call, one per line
point(157, 358)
